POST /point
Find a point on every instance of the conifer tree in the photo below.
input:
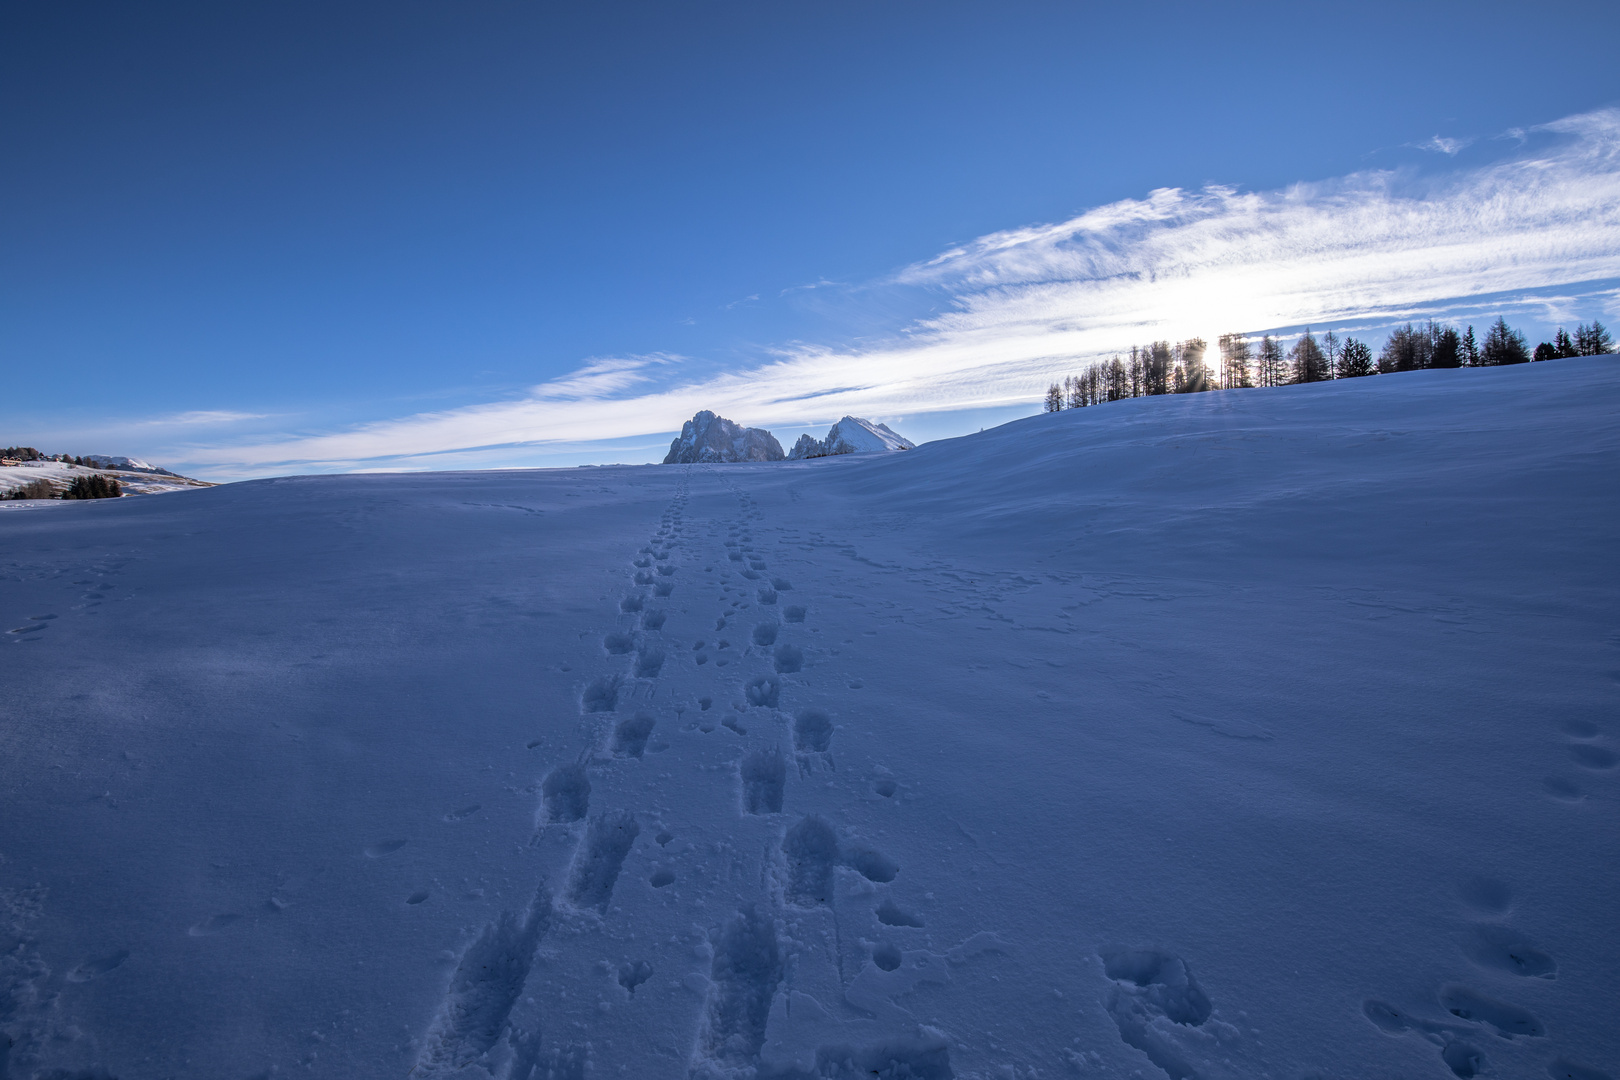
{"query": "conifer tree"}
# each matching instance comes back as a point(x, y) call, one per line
point(1271, 362)
point(1190, 366)
point(1470, 348)
point(1330, 352)
point(1503, 345)
point(1054, 398)
point(1445, 347)
point(1309, 364)
point(1592, 340)
point(95, 486)
point(1156, 362)
point(1355, 359)
point(1235, 359)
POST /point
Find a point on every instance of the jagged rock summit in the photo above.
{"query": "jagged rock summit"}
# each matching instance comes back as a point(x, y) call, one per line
point(851, 435)
point(707, 437)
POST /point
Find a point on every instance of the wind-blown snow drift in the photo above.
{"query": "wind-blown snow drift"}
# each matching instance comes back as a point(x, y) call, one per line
point(1249, 733)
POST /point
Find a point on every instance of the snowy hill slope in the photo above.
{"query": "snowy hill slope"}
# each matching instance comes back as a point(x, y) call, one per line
point(1264, 733)
point(145, 480)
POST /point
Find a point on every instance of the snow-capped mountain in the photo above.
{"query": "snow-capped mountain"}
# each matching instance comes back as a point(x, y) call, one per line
point(126, 464)
point(707, 437)
point(851, 435)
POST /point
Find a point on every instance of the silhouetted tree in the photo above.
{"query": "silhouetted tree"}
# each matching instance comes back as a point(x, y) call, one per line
point(1330, 352)
point(1355, 359)
point(1503, 345)
point(1445, 347)
point(1408, 348)
point(1592, 340)
point(1235, 359)
point(1273, 367)
point(1157, 362)
point(1309, 363)
point(1054, 398)
point(1118, 382)
point(1470, 348)
point(1192, 375)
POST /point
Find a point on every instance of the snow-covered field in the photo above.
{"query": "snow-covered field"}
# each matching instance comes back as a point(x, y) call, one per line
point(1255, 734)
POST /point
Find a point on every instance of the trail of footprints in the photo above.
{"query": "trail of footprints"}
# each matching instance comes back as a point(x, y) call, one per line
point(1476, 1020)
point(487, 1016)
point(96, 588)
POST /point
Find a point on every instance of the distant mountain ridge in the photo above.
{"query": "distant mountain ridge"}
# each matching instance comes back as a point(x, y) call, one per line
point(707, 437)
point(125, 464)
point(851, 435)
point(27, 474)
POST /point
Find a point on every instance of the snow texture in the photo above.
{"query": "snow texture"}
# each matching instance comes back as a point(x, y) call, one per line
point(1245, 734)
point(851, 435)
point(709, 438)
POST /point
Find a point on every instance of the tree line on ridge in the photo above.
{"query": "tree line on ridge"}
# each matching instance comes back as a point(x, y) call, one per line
point(1164, 368)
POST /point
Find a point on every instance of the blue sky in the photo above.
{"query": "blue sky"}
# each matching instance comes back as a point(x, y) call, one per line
point(251, 239)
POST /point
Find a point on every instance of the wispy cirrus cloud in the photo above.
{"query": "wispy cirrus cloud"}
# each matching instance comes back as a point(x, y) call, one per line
point(1539, 227)
point(1441, 144)
point(203, 416)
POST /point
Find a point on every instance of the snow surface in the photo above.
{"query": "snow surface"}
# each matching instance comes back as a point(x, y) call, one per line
point(1252, 734)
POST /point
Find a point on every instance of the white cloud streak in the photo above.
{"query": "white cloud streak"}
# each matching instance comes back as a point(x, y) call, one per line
point(1027, 304)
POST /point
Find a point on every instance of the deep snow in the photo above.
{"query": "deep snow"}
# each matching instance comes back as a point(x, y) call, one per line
point(1252, 734)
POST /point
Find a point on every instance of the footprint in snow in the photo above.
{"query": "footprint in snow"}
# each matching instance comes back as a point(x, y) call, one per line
point(1563, 790)
point(763, 774)
point(1596, 758)
point(213, 924)
point(1460, 1056)
point(600, 857)
point(633, 975)
point(98, 966)
point(630, 737)
point(1502, 948)
point(812, 732)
